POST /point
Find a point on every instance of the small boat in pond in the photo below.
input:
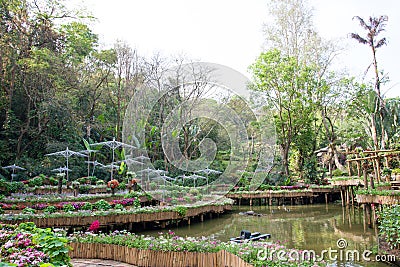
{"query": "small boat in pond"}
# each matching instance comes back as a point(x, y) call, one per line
point(250, 213)
point(246, 236)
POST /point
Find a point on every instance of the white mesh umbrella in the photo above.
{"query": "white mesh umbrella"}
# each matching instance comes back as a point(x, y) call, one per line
point(67, 154)
point(113, 145)
point(13, 168)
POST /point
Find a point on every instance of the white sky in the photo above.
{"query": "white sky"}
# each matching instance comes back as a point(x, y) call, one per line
point(229, 32)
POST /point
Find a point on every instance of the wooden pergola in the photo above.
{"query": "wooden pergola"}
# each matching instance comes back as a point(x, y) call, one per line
point(373, 156)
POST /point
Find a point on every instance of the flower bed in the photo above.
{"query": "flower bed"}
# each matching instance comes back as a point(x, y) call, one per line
point(53, 189)
point(74, 206)
point(30, 199)
point(27, 245)
point(111, 216)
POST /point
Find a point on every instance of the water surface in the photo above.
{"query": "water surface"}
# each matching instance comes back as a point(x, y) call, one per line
point(312, 227)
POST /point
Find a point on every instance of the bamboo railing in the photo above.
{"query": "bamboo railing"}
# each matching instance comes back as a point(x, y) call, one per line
point(385, 200)
point(121, 218)
point(151, 258)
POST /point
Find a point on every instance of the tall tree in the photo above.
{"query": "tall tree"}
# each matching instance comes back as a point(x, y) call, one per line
point(289, 86)
point(374, 26)
point(294, 34)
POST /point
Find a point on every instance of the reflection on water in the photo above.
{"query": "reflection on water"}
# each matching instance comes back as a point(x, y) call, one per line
point(311, 227)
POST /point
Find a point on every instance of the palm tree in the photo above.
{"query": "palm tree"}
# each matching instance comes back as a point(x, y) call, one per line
point(374, 27)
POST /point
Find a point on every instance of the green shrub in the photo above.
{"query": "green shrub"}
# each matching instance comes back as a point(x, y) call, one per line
point(389, 227)
point(132, 194)
point(396, 171)
point(92, 179)
point(102, 205)
point(28, 211)
point(83, 180)
point(14, 187)
point(338, 173)
point(50, 209)
point(84, 189)
point(119, 207)
point(100, 182)
point(136, 203)
point(55, 246)
point(122, 186)
point(53, 181)
point(36, 181)
point(68, 207)
point(194, 191)
point(87, 206)
point(181, 210)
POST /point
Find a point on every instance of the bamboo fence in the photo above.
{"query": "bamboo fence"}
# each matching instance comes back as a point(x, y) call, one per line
point(387, 200)
point(151, 258)
point(121, 218)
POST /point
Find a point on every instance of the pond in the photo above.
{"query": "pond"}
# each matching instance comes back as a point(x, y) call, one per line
point(308, 227)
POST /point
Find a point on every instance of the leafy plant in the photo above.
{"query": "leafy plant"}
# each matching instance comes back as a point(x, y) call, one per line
point(28, 210)
point(54, 246)
point(386, 171)
point(84, 189)
point(136, 203)
point(102, 205)
point(87, 206)
point(50, 209)
point(68, 207)
point(396, 171)
point(389, 226)
point(337, 173)
point(181, 210)
point(36, 181)
point(119, 207)
point(100, 182)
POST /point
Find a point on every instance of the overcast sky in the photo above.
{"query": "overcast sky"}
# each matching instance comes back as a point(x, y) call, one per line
point(229, 32)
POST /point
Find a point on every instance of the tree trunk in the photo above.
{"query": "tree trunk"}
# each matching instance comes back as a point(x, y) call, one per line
point(59, 189)
point(374, 133)
point(284, 149)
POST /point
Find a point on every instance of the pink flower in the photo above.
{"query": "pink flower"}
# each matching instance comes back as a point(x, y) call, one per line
point(94, 226)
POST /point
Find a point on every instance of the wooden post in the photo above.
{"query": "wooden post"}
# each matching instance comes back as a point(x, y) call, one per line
point(342, 196)
point(202, 217)
point(358, 168)
point(326, 198)
point(386, 161)
point(378, 169)
point(365, 166)
point(368, 214)
point(352, 195)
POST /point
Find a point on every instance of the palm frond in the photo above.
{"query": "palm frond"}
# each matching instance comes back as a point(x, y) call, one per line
point(380, 43)
point(362, 23)
point(358, 38)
